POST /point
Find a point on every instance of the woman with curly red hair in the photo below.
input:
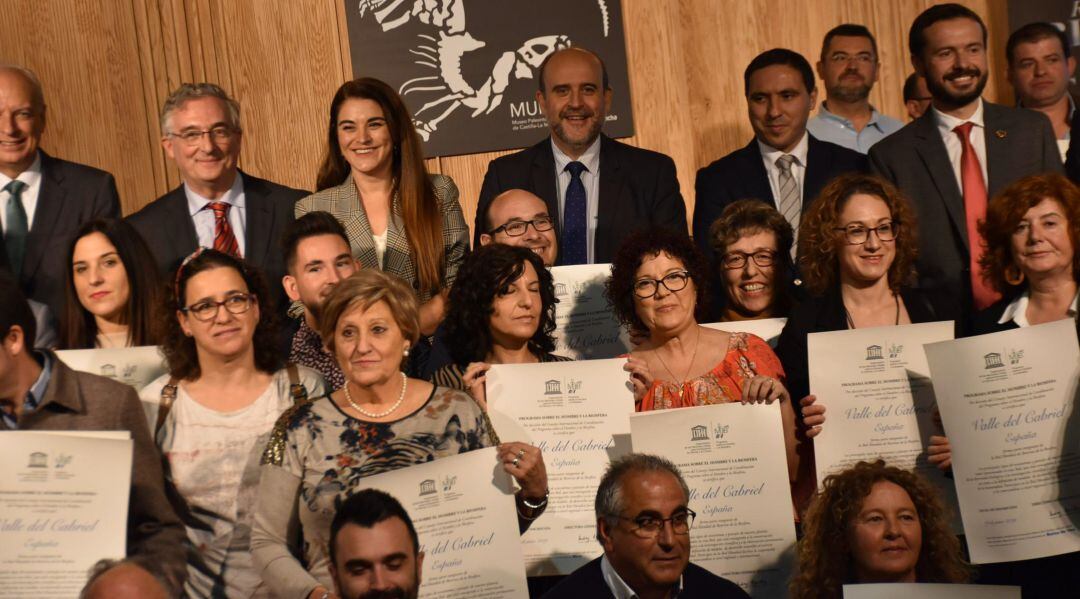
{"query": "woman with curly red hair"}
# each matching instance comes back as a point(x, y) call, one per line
point(875, 523)
point(857, 248)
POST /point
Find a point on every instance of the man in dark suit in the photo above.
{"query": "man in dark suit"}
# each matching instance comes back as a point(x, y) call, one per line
point(784, 165)
point(597, 189)
point(217, 205)
point(960, 153)
point(643, 523)
point(43, 200)
point(39, 393)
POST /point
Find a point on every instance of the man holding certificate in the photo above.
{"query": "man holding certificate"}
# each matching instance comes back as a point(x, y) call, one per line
point(39, 393)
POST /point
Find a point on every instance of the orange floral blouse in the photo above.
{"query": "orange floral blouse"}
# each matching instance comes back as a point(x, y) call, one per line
point(747, 356)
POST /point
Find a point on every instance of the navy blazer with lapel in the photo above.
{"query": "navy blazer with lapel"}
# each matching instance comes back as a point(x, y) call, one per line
point(71, 194)
point(167, 227)
point(638, 188)
point(742, 175)
point(1019, 143)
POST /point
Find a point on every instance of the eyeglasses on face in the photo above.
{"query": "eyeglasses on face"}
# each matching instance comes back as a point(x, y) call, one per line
point(858, 234)
point(207, 310)
point(517, 228)
point(192, 137)
point(737, 260)
point(648, 527)
point(675, 281)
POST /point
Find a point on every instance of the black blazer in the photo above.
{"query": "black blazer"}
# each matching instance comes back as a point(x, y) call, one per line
point(1019, 142)
point(638, 189)
point(167, 227)
point(741, 175)
point(588, 581)
point(826, 313)
point(986, 320)
point(71, 194)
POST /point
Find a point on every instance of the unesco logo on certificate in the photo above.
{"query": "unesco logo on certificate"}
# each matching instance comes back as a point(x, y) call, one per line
point(883, 357)
point(41, 467)
point(433, 492)
point(998, 366)
point(561, 393)
point(705, 438)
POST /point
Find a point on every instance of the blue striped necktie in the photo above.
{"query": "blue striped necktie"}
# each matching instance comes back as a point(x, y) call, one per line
point(17, 227)
point(574, 244)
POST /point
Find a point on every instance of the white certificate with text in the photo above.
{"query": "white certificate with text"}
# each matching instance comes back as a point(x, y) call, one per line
point(768, 329)
point(733, 459)
point(135, 366)
point(578, 414)
point(1008, 402)
point(464, 513)
point(585, 325)
point(63, 507)
point(929, 591)
point(876, 385)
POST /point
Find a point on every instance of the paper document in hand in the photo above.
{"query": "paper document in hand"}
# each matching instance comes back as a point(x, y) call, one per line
point(585, 325)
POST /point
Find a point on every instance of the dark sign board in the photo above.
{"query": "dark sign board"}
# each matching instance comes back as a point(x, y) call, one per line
point(468, 69)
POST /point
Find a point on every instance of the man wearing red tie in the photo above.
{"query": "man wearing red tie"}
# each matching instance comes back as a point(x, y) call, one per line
point(960, 153)
point(216, 206)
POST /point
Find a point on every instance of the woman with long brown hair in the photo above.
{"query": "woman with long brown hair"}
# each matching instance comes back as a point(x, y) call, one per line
point(399, 218)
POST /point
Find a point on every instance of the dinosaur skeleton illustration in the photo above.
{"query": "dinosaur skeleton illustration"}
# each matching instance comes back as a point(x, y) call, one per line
point(443, 51)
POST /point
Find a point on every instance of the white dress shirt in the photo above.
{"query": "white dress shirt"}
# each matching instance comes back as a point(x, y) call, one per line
point(618, 586)
point(770, 155)
point(1016, 311)
point(590, 178)
point(203, 217)
point(954, 148)
point(32, 178)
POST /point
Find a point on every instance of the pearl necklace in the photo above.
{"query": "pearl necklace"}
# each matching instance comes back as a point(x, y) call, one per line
point(397, 404)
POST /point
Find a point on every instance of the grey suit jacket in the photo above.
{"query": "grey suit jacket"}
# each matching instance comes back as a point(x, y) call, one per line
point(1019, 143)
point(71, 194)
point(78, 401)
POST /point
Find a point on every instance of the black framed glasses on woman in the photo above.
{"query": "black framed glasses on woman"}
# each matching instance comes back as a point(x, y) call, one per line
point(517, 228)
point(648, 527)
point(737, 260)
point(856, 234)
point(674, 281)
point(208, 309)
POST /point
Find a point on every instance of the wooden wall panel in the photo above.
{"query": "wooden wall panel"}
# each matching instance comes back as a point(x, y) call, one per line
point(108, 66)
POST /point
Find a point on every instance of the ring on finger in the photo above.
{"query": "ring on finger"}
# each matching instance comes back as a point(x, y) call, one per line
point(521, 453)
point(516, 460)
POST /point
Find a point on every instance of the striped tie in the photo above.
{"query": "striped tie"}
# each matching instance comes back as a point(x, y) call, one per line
point(224, 240)
point(790, 200)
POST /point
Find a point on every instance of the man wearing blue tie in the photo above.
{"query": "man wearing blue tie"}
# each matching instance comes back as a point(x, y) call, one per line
point(597, 189)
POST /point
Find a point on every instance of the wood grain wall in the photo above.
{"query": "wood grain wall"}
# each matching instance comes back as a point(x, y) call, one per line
point(107, 65)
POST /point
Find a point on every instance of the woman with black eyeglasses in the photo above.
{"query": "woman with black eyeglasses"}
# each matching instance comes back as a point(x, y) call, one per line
point(857, 248)
point(213, 412)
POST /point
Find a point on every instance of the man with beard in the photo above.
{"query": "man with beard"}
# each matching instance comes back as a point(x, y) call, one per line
point(849, 68)
point(317, 257)
point(1040, 66)
point(597, 190)
point(963, 151)
point(374, 550)
point(916, 96)
point(784, 165)
point(518, 217)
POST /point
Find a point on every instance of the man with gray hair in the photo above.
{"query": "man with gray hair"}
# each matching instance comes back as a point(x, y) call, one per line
point(131, 578)
point(43, 200)
point(217, 205)
point(643, 522)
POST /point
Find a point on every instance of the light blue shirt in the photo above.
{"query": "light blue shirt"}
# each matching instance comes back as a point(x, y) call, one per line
point(36, 394)
point(829, 127)
point(590, 178)
point(203, 217)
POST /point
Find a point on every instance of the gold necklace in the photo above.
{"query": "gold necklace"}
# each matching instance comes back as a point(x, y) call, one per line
point(693, 356)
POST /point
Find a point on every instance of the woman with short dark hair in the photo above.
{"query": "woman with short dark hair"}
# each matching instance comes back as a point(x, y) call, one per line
point(752, 244)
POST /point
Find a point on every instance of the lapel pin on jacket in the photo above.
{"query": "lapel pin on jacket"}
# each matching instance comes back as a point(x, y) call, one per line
point(1001, 133)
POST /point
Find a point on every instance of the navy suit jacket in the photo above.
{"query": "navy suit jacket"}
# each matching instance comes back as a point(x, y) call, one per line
point(638, 189)
point(588, 581)
point(167, 227)
point(71, 194)
point(741, 175)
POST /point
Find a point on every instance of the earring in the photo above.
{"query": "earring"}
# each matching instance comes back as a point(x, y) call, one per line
point(1014, 276)
point(405, 351)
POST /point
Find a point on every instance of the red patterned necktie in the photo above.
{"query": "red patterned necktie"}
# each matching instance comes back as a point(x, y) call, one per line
point(975, 199)
point(224, 240)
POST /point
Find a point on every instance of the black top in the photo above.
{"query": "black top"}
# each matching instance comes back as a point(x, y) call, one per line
point(588, 582)
point(826, 313)
point(986, 320)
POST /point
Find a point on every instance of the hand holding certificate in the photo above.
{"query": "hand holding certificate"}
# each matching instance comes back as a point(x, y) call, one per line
point(585, 325)
point(1008, 402)
point(578, 414)
point(63, 507)
point(733, 459)
point(462, 507)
